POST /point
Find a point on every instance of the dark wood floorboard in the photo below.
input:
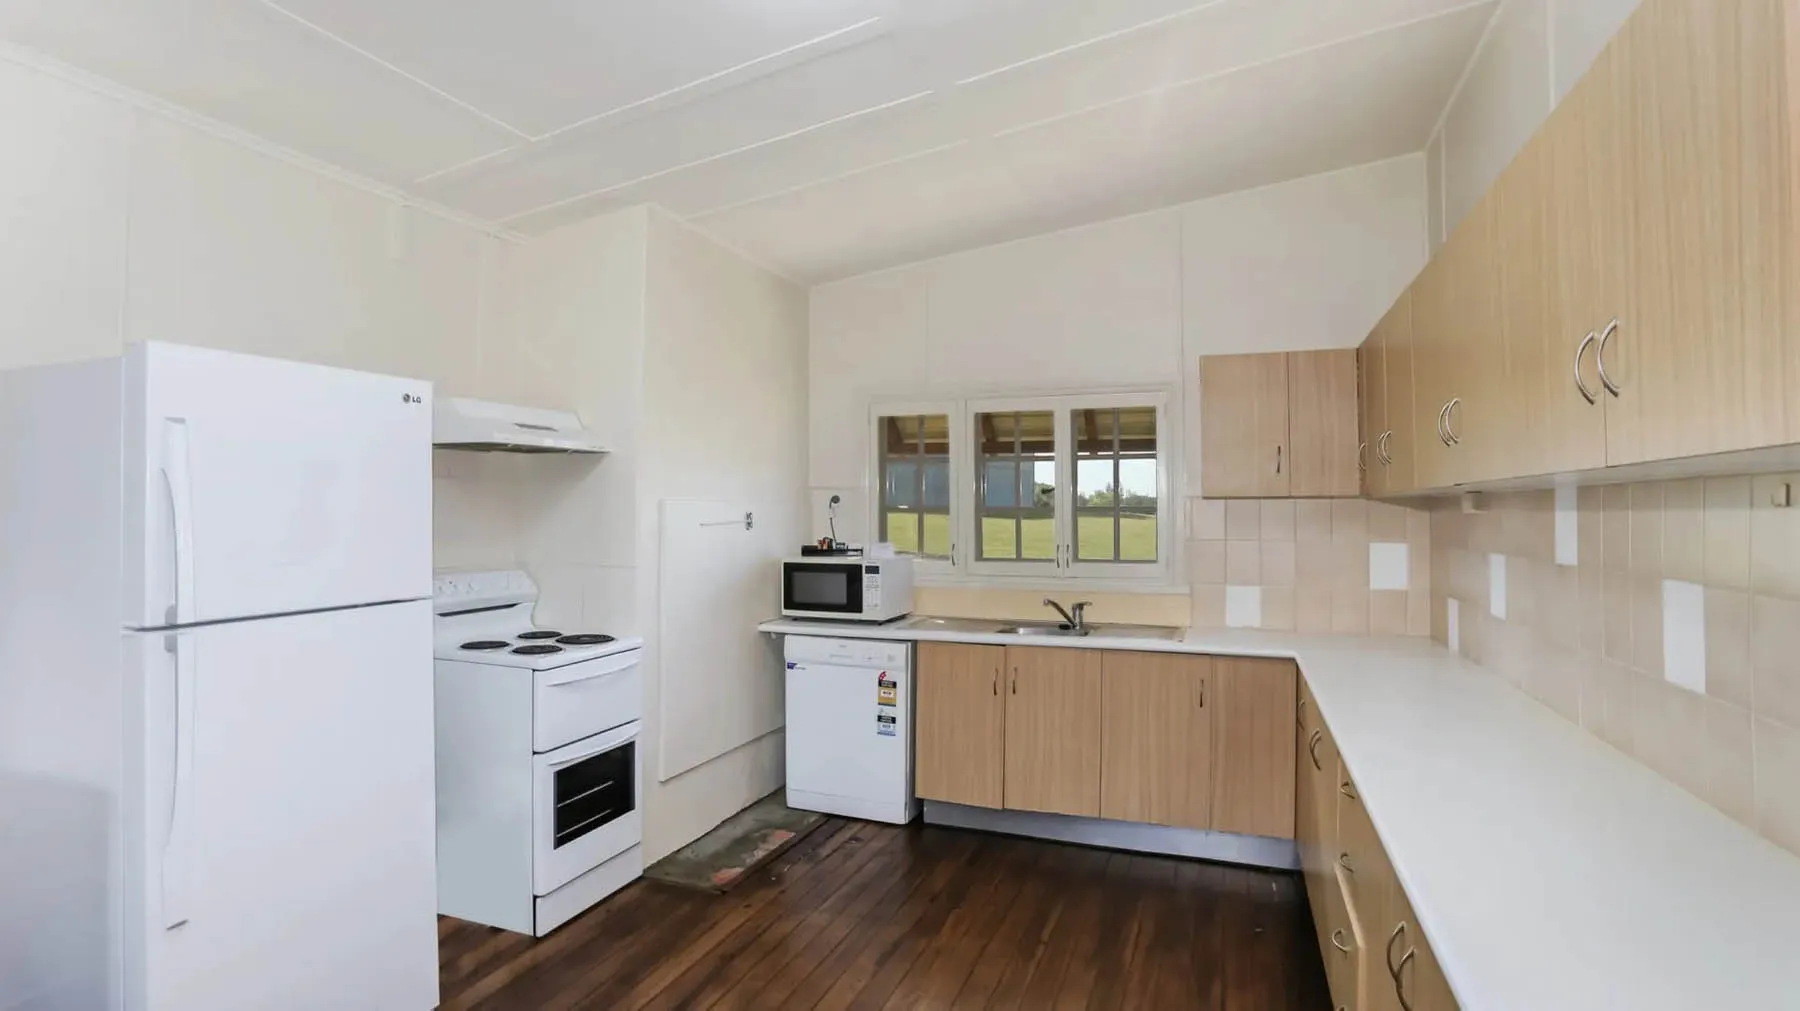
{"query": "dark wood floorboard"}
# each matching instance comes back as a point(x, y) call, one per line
point(862, 916)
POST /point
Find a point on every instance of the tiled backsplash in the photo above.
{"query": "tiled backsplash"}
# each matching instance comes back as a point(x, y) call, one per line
point(1671, 630)
point(1310, 565)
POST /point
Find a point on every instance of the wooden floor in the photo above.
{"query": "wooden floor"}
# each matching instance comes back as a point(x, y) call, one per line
point(872, 916)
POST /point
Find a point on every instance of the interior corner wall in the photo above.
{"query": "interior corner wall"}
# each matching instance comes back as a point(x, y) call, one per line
point(723, 418)
point(1534, 52)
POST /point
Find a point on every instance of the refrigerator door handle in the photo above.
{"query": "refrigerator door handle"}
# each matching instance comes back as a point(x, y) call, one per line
point(177, 857)
point(177, 474)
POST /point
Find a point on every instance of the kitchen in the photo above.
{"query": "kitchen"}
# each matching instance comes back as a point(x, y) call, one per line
point(1634, 622)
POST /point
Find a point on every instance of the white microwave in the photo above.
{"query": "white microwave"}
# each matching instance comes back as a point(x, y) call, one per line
point(847, 588)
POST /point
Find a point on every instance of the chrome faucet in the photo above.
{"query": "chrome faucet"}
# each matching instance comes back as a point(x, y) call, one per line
point(1074, 616)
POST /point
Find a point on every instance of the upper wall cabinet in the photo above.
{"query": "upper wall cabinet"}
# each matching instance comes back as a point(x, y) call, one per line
point(1279, 425)
point(1625, 293)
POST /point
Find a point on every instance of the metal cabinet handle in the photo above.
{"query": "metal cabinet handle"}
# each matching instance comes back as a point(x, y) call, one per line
point(1381, 449)
point(1344, 862)
point(1400, 980)
point(1015, 681)
point(1345, 789)
point(1337, 941)
point(1362, 458)
point(1312, 747)
point(1277, 459)
point(1450, 420)
point(1580, 383)
point(1399, 932)
point(1443, 435)
point(1203, 694)
point(1300, 714)
point(1600, 357)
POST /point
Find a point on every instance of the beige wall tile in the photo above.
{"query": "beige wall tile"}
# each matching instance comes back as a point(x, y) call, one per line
point(1350, 520)
point(1312, 519)
point(1350, 565)
point(1615, 533)
point(1616, 616)
point(1209, 607)
point(1558, 615)
point(1647, 627)
point(1312, 608)
point(1555, 680)
point(1440, 619)
point(1522, 591)
point(1646, 530)
point(1315, 563)
point(1206, 519)
point(1387, 612)
point(1278, 608)
point(1278, 519)
point(1243, 563)
point(1730, 762)
point(1418, 527)
point(1684, 530)
point(1278, 563)
point(1243, 520)
point(1590, 525)
point(1728, 673)
point(1775, 658)
point(1775, 537)
point(1591, 580)
point(1728, 532)
point(1606, 703)
point(1778, 783)
point(1387, 522)
point(1206, 563)
point(1350, 611)
point(1418, 612)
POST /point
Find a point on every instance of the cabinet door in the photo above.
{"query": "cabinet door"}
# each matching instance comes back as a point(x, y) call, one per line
point(1339, 946)
point(1370, 382)
point(1700, 353)
point(1253, 746)
point(1244, 426)
point(1053, 730)
point(1434, 368)
point(1418, 981)
point(1322, 424)
point(1477, 421)
point(960, 724)
point(1156, 739)
point(1399, 412)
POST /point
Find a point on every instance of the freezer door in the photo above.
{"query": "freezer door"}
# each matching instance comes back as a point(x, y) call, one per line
point(285, 850)
point(258, 487)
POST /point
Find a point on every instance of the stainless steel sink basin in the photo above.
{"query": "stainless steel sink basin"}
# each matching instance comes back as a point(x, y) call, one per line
point(1044, 629)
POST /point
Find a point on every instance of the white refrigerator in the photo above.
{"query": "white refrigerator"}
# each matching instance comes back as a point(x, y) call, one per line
point(216, 755)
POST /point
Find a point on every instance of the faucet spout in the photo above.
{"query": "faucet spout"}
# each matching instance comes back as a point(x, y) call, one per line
point(1068, 619)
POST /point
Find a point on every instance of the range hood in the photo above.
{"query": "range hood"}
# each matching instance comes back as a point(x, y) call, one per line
point(459, 423)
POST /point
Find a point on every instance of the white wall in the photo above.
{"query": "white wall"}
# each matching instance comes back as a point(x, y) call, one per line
point(724, 420)
point(1130, 302)
point(122, 224)
point(1534, 52)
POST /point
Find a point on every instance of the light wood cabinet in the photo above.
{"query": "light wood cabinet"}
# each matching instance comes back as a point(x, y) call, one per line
point(1156, 743)
point(1244, 426)
point(1253, 706)
point(1387, 383)
point(1052, 736)
point(1279, 425)
point(960, 724)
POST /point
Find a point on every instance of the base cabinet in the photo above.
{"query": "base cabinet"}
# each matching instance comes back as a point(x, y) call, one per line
point(1173, 739)
point(1376, 955)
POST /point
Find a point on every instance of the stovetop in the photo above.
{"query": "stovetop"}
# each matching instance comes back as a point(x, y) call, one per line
point(485, 618)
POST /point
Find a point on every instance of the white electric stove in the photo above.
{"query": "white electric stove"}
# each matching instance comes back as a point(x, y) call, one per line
point(538, 775)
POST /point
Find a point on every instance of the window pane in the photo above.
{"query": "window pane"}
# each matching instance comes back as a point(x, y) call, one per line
point(1115, 484)
point(1015, 454)
point(915, 483)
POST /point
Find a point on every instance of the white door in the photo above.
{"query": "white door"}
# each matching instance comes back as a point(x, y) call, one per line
point(287, 841)
point(259, 487)
point(848, 731)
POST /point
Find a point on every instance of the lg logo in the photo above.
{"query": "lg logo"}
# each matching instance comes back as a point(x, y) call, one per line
point(411, 398)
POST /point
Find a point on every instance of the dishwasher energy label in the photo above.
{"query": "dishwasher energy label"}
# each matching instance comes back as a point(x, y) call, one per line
point(886, 724)
point(887, 693)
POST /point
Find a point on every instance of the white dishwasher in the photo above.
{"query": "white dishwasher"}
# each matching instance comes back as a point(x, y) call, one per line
point(849, 728)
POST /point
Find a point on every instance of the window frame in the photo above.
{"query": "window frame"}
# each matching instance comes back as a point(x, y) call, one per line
point(964, 566)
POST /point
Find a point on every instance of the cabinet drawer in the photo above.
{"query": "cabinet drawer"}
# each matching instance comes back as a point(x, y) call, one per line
point(1360, 855)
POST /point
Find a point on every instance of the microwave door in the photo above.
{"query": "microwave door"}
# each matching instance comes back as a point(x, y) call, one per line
point(822, 588)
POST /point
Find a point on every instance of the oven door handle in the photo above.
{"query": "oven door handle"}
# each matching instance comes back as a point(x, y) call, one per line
point(599, 743)
point(599, 668)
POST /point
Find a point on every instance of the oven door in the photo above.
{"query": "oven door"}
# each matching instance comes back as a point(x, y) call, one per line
point(585, 807)
point(822, 589)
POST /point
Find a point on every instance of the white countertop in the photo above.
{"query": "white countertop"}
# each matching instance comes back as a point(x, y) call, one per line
point(1548, 870)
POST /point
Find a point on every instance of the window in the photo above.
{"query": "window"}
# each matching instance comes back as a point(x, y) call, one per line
point(915, 484)
point(1044, 487)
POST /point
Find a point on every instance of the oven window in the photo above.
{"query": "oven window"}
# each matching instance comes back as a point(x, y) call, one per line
point(835, 588)
point(593, 792)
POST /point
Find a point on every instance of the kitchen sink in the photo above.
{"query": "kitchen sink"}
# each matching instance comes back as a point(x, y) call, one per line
point(1044, 628)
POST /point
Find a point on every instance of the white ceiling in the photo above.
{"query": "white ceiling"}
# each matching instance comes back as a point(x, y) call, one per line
point(824, 137)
